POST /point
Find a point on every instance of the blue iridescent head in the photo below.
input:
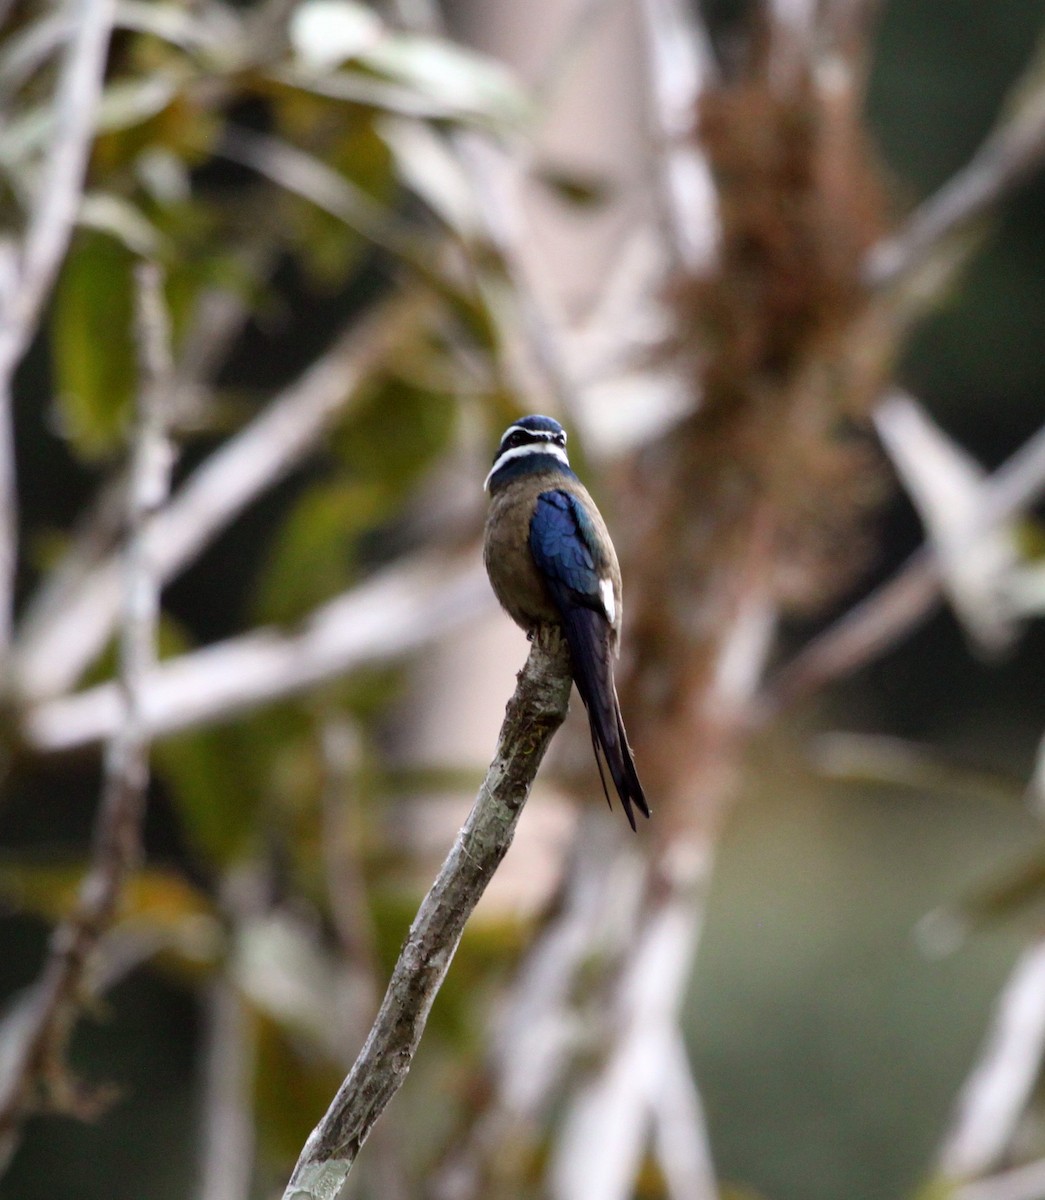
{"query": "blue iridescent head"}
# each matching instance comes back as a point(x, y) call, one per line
point(532, 444)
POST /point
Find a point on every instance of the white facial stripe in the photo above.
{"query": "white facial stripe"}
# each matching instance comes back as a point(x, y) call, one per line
point(609, 604)
point(546, 435)
point(551, 450)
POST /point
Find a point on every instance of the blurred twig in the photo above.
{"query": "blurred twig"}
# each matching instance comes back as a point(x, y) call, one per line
point(401, 608)
point(604, 1132)
point(544, 1025)
point(1010, 153)
point(219, 315)
point(1020, 1183)
point(996, 1093)
point(893, 609)
point(309, 177)
point(680, 1136)
point(27, 273)
point(36, 1073)
point(534, 713)
point(55, 649)
point(681, 66)
point(793, 25)
point(228, 1119)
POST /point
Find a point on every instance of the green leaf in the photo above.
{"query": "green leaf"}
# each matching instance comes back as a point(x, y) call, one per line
point(155, 901)
point(211, 780)
point(396, 434)
point(317, 550)
point(92, 343)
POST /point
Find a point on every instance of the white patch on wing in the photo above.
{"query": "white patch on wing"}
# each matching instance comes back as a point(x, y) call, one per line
point(609, 604)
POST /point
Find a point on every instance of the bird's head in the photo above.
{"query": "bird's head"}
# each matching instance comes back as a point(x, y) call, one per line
point(531, 445)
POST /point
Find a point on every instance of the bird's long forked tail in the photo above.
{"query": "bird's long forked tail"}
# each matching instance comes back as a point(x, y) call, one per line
point(587, 635)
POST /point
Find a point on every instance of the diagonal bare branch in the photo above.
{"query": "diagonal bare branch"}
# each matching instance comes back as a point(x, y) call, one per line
point(26, 274)
point(997, 1091)
point(400, 609)
point(902, 603)
point(681, 66)
point(534, 714)
point(1026, 1182)
point(1011, 152)
point(55, 649)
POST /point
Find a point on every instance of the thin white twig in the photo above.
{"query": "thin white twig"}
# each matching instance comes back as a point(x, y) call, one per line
point(996, 1093)
point(792, 33)
point(541, 1029)
point(1004, 160)
point(680, 1136)
point(1021, 1183)
point(681, 66)
point(897, 606)
point(309, 177)
point(54, 649)
point(406, 606)
point(218, 316)
point(604, 1132)
point(29, 273)
point(228, 1121)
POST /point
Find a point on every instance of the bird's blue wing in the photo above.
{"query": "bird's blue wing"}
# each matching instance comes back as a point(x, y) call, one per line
point(565, 548)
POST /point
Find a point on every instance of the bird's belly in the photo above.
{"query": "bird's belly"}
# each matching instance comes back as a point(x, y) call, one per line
point(516, 582)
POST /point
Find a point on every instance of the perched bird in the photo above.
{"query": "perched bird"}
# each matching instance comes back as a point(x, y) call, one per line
point(551, 562)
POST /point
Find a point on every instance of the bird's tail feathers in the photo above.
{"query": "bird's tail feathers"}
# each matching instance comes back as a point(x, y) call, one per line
point(588, 637)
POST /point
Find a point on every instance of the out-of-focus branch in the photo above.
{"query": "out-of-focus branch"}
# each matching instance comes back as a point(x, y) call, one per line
point(310, 178)
point(343, 851)
point(534, 713)
point(1021, 1183)
point(792, 25)
point(54, 650)
point(604, 1133)
point(893, 609)
point(36, 1073)
point(996, 1093)
point(1010, 153)
point(680, 1136)
point(681, 65)
point(228, 1121)
point(404, 607)
point(219, 314)
point(26, 275)
point(544, 1025)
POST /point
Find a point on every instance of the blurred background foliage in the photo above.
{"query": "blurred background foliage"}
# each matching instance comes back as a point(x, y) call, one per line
point(828, 1041)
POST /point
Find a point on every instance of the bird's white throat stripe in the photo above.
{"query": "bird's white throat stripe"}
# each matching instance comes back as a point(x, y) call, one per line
point(549, 448)
point(609, 604)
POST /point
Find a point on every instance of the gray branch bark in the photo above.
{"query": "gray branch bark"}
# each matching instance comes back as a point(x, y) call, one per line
point(534, 713)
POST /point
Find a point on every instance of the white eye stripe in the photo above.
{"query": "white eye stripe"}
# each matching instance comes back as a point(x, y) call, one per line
point(551, 450)
point(544, 435)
